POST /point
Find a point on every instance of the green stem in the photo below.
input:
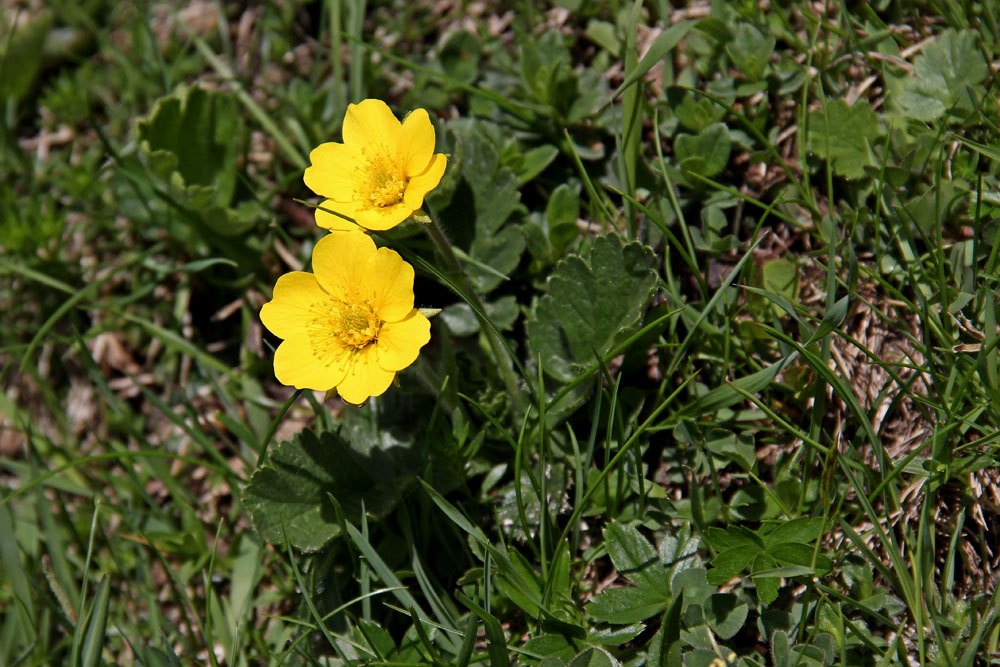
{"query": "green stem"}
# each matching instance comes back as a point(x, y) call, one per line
point(504, 365)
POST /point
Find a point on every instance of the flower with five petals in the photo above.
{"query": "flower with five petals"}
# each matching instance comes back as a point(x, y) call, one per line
point(380, 174)
point(351, 324)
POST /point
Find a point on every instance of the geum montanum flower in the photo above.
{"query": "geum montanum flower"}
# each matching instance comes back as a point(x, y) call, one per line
point(380, 174)
point(351, 324)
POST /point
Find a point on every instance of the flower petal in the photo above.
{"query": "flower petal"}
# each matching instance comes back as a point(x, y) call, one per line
point(371, 123)
point(382, 218)
point(399, 343)
point(340, 260)
point(420, 185)
point(364, 378)
point(334, 171)
point(299, 363)
point(416, 143)
point(334, 222)
point(295, 294)
point(389, 285)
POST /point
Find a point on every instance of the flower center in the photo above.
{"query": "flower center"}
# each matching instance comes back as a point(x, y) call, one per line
point(356, 325)
point(384, 182)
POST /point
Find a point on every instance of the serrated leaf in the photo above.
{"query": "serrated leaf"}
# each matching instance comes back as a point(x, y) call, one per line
point(291, 491)
point(635, 558)
point(594, 302)
point(796, 553)
point(730, 563)
point(802, 529)
point(845, 134)
point(941, 75)
point(627, 605)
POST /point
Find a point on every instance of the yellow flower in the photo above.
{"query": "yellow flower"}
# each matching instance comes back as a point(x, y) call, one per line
point(381, 173)
point(351, 324)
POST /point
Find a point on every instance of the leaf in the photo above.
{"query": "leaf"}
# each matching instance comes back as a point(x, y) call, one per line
point(725, 614)
point(730, 563)
point(662, 45)
point(534, 162)
point(845, 135)
point(781, 652)
point(796, 553)
point(627, 605)
point(706, 153)
point(462, 322)
point(593, 303)
point(693, 584)
point(21, 47)
point(750, 51)
point(191, 140)
point(635, 558)
point(782, 278)
point(482, 202)
point(595, 656)
point(615, 636)
point(767, 587)
point(941, 75)
point(97, 623)
point(293, 488)
point(803, 529)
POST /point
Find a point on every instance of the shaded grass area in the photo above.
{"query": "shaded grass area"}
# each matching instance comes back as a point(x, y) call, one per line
point(742, 258)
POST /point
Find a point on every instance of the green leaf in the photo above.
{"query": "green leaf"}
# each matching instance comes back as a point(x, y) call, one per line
point(635, 557)
point(706, 153)
point(534, 162)
point(803, 529)
point(191, 141)
point(481, 204)
point(594, 302)
point(845, 135)
point(661, 46)
point(730, 563)
point(941, 75)
point(97, 623)
point(767, 587)
point(725, 614)
point(595, 656)
point(459, 57)
point(627, 605)
point(615, 636)
point(294, 485)
point(796, 553)
point(750, 51)
point(462, 322)
point(781, 650)
point(21, 50)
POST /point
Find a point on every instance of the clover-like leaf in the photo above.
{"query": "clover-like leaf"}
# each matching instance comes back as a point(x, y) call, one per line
point(845, 135)
point(707, 152)
point(593, 303)
point(750, 50)
point(290, 494)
